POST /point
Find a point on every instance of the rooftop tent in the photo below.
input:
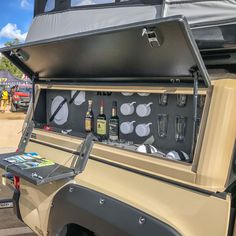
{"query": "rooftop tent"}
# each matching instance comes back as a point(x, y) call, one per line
point(202, 13)
point(67, 17)
point(212, 22)
point(75, 16)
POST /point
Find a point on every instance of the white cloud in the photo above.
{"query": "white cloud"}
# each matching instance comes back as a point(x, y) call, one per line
point(12, 32)
point(24, 3)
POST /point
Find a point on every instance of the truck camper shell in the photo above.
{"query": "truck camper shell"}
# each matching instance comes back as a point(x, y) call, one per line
point(115, 61)
point(146, 64)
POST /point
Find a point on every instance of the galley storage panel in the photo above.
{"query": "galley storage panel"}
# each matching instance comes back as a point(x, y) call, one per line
point(159, 124)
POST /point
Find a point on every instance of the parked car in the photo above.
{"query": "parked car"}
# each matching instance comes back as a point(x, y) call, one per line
point(21, 97)
point(131, 129)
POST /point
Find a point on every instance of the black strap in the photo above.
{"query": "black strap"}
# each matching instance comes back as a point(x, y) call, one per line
point(181, 155)
point(148, 148)
point(57, 110)
point(74, 97)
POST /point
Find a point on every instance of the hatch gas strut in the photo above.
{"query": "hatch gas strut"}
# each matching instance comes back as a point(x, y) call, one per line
point(195, 74)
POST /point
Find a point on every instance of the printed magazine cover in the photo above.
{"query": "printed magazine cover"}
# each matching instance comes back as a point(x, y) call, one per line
point(29, 160)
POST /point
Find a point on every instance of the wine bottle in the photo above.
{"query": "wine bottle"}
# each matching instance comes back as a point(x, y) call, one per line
point(114, 123)
point(101, 123)
point(89, 118)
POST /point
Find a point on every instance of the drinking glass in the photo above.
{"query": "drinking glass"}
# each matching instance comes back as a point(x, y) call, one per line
point(163, 99)
point(162, 125)
point(181, 100)
point(180, 128)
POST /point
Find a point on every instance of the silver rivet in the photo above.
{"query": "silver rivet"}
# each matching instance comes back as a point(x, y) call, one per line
point(71, 189)
point(142, 220)
point(101, 201)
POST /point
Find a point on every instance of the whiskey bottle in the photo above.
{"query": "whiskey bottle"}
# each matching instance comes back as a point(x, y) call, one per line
point(101, 123)
point(89, 118)
point(114, 123)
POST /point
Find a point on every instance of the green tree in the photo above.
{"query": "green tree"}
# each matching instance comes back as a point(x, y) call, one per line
point(5, 64)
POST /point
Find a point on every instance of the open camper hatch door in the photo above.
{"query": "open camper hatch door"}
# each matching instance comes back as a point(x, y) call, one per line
point(159, 51)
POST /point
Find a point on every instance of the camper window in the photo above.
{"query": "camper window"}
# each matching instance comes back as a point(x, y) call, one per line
point(76, 3)
point(82, 3)
point(50, 5)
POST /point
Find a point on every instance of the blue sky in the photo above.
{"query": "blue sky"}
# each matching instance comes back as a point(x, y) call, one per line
point(15, 19)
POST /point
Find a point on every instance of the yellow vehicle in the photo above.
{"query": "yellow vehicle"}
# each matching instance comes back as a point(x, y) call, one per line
point(128, 132)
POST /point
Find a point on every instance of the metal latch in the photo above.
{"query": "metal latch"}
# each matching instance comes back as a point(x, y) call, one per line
point(153, 39)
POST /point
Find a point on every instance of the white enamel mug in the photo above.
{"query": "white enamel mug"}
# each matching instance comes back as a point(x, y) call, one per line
point(143, 94)
point(127, 94)
point(143, 110)
point(143, 130)
point(127, 127)
point(127, 109)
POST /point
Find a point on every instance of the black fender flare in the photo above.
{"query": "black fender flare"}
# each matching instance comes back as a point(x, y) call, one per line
point(101, 214)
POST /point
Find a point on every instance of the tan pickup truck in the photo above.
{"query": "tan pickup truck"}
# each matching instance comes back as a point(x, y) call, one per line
point(130, 131)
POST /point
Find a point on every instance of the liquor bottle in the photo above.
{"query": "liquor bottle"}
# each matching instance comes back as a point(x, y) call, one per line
point(101, 123)
point(114, 123)
point(89, 118)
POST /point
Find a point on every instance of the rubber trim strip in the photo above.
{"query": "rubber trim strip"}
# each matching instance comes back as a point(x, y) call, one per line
point(195, 189)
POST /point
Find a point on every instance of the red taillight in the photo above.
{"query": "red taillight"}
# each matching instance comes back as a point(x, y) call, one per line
point(16, 182)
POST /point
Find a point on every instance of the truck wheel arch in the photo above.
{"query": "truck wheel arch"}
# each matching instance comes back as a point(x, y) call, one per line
point(101, 214)
point(74, 229)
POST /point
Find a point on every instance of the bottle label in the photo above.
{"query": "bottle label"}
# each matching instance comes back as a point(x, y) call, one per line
point(114, 130)
point(101, 127)
point(88, 124)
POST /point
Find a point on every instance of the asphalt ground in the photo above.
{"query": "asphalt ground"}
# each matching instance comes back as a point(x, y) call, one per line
point(10, 133)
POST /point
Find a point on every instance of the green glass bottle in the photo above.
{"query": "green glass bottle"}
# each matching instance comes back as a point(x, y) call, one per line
point(114, 123)
point(101, 123)
point(89, 118)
